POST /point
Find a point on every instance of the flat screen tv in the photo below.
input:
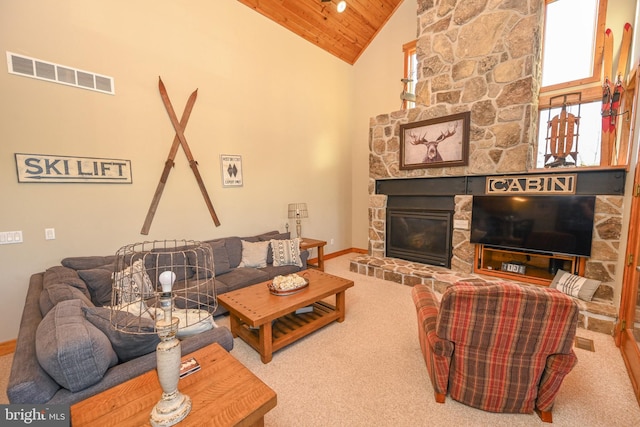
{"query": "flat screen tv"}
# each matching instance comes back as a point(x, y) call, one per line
point(547, 224)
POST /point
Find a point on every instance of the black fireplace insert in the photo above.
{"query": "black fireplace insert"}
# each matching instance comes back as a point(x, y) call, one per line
point(420, 235)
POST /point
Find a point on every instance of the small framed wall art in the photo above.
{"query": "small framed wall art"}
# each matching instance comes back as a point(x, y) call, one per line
point(435, 143)
point(231, 167)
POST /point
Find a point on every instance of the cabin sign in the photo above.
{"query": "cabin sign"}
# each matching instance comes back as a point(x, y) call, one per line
point(532, 184)
point(51, 168)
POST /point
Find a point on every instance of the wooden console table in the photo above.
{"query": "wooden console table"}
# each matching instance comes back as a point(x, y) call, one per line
point(223, 393)
point(307, 243)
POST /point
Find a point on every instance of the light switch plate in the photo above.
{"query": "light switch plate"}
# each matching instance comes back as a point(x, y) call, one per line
point(50, 233)
point(10, 237)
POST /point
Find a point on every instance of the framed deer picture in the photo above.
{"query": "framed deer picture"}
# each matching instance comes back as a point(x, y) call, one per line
point(435, 143)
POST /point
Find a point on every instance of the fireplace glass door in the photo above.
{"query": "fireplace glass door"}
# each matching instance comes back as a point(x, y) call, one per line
point(419, 235)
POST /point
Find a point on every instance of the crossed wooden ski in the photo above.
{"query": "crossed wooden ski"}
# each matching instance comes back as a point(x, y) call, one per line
point(178, 140)
point(612, 91)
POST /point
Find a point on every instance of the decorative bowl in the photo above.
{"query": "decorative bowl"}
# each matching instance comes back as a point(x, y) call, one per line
point(282, 292)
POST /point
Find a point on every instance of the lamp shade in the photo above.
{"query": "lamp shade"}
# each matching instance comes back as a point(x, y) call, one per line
point(298, 210)
point(183, 267)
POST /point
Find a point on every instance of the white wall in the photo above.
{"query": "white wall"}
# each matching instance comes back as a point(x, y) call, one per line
point(263, 93)
point(376, 90)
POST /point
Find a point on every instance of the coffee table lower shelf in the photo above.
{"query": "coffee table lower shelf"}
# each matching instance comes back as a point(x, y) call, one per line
point(286, 329)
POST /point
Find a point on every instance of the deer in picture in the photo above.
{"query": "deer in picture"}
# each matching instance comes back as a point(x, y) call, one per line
point(432, 146)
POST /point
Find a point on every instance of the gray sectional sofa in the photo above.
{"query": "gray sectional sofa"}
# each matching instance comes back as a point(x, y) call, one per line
point(65, 353)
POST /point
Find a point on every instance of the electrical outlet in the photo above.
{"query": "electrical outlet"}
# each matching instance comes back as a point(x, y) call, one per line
point(331, 242)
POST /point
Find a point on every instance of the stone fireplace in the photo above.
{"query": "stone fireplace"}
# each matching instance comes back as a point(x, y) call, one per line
point(480, 57)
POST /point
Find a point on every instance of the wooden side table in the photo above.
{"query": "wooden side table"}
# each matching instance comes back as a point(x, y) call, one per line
point(307, 243)
point(223, 393)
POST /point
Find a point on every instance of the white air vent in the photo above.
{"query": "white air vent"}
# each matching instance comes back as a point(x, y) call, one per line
point(30, 67)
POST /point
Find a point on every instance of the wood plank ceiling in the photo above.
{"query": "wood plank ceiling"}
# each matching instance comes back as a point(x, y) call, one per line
point(345, 35)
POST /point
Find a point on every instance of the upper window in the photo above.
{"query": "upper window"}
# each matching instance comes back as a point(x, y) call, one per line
point(410, 74)
point(570, 54)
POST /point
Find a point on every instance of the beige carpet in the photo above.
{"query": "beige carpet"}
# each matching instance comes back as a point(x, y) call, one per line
point(368, 371)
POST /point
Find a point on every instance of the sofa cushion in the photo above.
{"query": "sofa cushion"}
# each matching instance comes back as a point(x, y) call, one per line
point(55, 293)
point(60, 274)
point(239, 278)
point(175, 260)
point(87, 262)
point(70, 349)
point(99, 282)
point(286, 252)
point(131, 341)
point(254, 254)
point(234, 250)
point(265, 237)
point(575, 286)
point(220, 259)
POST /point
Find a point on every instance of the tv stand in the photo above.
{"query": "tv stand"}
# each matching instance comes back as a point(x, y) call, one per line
point(539, 268)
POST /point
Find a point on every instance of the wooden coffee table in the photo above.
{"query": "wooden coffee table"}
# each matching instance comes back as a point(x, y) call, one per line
point(223, 393)
point(268, 322)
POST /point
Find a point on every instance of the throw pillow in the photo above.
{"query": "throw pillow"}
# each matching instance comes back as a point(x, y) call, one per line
point(575, 286)
point(138, 337)
point(132, 283)
point(254, 254)
point(274, 236)
point(99, 282)
point(70, 349)
point(286, 252)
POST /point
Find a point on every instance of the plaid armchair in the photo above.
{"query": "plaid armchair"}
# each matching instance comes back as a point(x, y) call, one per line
point(500, 347)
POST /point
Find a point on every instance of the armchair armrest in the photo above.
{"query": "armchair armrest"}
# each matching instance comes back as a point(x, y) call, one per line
point(436, 351)
point(427, 310)
point(556, 368)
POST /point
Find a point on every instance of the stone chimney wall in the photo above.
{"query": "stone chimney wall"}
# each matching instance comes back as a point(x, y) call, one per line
point(480, 56)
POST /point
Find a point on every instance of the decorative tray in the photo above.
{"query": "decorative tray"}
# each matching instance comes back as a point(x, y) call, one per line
point(282, 292)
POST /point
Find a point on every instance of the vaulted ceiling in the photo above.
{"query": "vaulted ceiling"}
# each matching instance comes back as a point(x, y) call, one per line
point(345, 35)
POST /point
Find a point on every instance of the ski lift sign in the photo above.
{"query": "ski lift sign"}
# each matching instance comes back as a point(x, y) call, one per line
point(37, 168)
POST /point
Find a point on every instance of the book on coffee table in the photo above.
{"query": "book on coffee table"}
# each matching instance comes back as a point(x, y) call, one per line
point(189, 366)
